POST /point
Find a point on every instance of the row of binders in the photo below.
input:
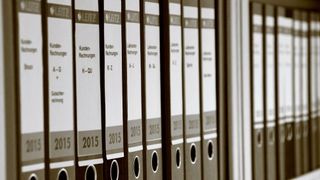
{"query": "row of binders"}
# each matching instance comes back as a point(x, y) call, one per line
point(285, 91)
point(115, 89)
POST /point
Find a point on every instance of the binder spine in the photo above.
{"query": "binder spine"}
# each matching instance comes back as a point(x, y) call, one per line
point(60, 98)
point(113, 89)
point(150, 35)
point(191, 91)
point(297, 93)
point(171, 86)
point(208, 80)
point(257, 90)
point(30, 68)
point(270, 125)
point(288, 90)
point(305, 92)
point(313, 91)
point(134, 150)
point(88, 96)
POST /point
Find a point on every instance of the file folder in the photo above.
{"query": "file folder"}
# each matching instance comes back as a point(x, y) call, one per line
point(30, 89)
point(88, 94)
point(318, 84)
point(297, 71)
point(208, 80)
point(113, 91)
point(256, 54)
point(305, 93)
point(60, 89)
point(287, 57)
point(270, 84)
point(171, 89)
point(150, 45)
point(313, 91)
point(191, 90)
point(284, 93)
point(133, 89)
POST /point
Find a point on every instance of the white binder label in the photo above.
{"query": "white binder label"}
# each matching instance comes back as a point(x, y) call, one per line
point(305, 107)
point(133, 71)
point(297, 70)
point(88, 77)
point(270, 69)
point(113, 78)
point(31, 81)
point(175, 70)
point(209, 102)
point(152, 71)
point(191, 71)
point(257, 69)
point(60, 58)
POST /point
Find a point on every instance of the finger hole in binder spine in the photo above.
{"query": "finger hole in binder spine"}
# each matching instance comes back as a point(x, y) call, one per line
point(210, 150)
point(289, 133)
point(178, 158)
point(136, 167)
point(259, 139)
point(114, 170)
point(63, 175)
point(193, 153)
point(91, 173)
point(33, 177)
point(154, 161)
point(271, 137)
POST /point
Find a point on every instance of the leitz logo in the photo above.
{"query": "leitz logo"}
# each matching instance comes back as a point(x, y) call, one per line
point(30, 6)
point(59, 11)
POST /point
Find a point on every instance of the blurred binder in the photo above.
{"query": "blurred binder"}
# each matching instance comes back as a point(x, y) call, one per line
point(208, 79)
point(297, 31)
point(88, 94)
point(60, 89)
point(313, 48)
point(150, 45)
point(30, 89)
point(270, 94)
point(191, 90)
point(133, 100)
point(112, 85)
point(257, 90)
point(305, 93)
point(171, 89)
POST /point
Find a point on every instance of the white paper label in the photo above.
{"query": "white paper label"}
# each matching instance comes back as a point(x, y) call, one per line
point(175, 69)
point(270, 70)
point(305, 107)
point(314, 50)
point(113, 78)
point(191, 70)
point(285, 69)
point(88, 77)
point(257, 69)
point(60, 60)
point(31, 84)
point(297, 70)
point(209, 101)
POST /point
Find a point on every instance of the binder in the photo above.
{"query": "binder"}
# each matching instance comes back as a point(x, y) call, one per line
point(208, 80)
point(258, 146)
point(151, 91)
point(59, 92)
point(88, 95)
point(191, 90)
point(305, 93)
point(171, 89)
point(270, 94)
point(30, 89)
point(288, 85)
point(313, 91)
point(133, 89)
point(297, 71)
point(284, 87)
point(112, 88)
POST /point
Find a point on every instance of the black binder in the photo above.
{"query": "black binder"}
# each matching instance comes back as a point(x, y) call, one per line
point(257, 116)
point(270, 93)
